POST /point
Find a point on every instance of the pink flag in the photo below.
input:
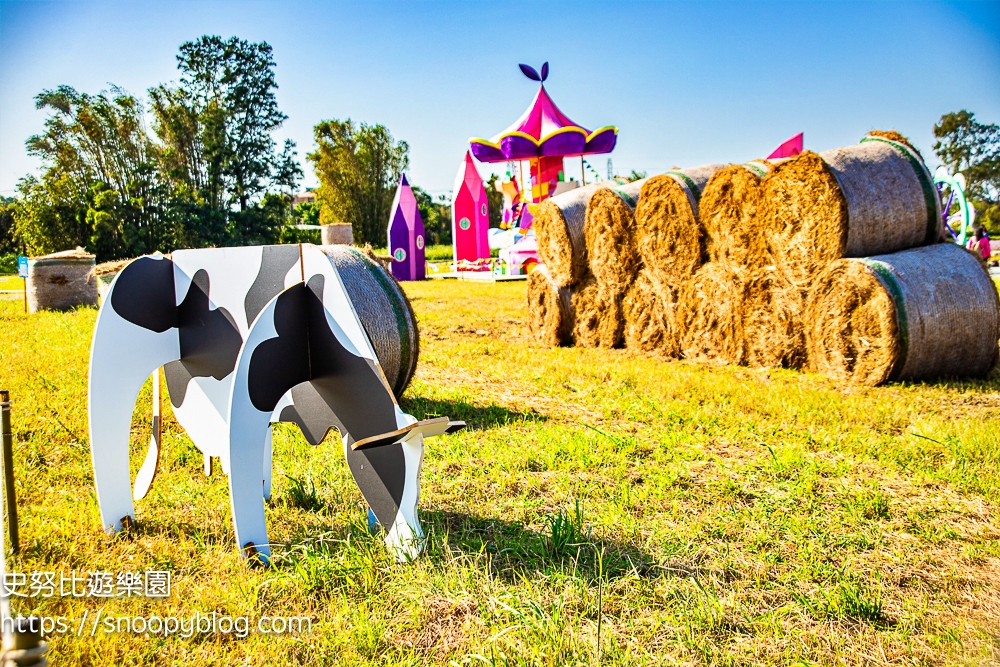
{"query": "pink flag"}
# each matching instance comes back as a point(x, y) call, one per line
point(790, 148)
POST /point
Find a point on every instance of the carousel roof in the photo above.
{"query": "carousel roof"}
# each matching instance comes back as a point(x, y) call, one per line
point(543, 131)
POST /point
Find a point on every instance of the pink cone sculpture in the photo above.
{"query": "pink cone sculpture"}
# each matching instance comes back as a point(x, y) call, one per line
point(470, 217)
point(406, 235)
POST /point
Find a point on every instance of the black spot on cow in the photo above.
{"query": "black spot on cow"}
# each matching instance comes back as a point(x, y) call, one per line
point(144, 294)
point(280, 363)
point(380, 473)
point(210, 341)
point(361, 398)
point(177, 377)
point(274, 265)
point(331, 388)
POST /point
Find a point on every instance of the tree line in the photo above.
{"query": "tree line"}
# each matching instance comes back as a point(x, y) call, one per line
point(206, 172)
point(965, 145)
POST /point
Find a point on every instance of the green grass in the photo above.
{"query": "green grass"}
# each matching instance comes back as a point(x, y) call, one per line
point(602, 508)
point(11, 283)
point(432, 253)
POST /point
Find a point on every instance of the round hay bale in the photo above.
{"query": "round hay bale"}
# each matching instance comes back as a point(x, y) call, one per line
point(559, 233)
point(925, 313)
point(61, 281)
point(550, 309)
point(669, 237)
point(874, 197)
point(341, 233)
point(893, 135)
point(650, 311)
point(609, 232)
point(105, 273)
point(384, 311)
point(728, 213)
point(597, 315)
point(709, 314)
point(772, 321)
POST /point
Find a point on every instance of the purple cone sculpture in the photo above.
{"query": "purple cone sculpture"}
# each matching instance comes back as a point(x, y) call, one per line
point(406, 235)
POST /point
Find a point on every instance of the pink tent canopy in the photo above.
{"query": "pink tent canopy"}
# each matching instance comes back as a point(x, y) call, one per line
point(543, 131)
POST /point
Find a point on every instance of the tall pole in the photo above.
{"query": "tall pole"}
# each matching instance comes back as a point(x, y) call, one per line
point(8, 470)
point(583, 172)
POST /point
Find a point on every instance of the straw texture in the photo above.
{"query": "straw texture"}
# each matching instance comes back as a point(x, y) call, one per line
point(550, 309)
point(925, 313)
point(559, 233)
point(874, 197)
point(597, 315)
point(650, 311)
point(771, 316)
point(61, 281)
point(609, 232)
point(669, 237)
point(729, 215)
point(384, 311)
point(709, 314)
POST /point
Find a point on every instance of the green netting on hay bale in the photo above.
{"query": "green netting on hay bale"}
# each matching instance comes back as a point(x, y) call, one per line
point(925, 313)
point(384, 311)
point(871, 198)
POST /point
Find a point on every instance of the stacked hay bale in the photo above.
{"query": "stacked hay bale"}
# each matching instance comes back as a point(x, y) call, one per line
point(579, 309)
point(671, 246)
point(61, 281)
point(857, 232)
point(751, 314)
point(832, 261)
point(918, 314)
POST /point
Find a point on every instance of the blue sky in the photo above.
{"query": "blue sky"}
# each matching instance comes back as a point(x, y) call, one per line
point(686, 82)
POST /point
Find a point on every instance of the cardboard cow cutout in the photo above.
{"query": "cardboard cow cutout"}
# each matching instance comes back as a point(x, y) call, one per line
point(247, 337)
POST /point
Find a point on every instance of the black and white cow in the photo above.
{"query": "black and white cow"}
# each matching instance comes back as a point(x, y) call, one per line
point(204, 315)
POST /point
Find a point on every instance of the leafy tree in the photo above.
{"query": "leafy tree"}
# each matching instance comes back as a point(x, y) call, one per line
point(436, 216)
point(965, 145)
point(209, 180)
point(216, 148)
point(8, 245)
point(225, 109)
point(100, 188)
point(358, 167)
point(495, 199)
point(50, 215)
point(304, 213)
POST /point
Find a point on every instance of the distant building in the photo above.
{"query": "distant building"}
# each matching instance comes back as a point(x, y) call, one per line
point(307, 196)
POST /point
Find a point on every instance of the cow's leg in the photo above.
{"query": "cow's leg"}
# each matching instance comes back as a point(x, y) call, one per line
point(122, 356)
point(274, 359)
point(268, 463)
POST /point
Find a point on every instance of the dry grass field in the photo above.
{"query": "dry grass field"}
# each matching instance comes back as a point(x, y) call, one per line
point(603, 508)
